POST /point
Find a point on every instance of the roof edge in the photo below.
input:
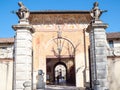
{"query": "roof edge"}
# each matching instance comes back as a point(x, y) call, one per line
point(6, 40)
point(59, 12)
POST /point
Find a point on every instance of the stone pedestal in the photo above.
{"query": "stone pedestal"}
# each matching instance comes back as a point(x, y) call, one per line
point(22, 54)
point(98, 55)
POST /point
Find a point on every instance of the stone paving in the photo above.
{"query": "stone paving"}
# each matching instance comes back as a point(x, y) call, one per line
point(58, 87)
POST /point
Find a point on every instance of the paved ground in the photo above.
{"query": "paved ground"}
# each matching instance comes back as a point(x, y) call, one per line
point(57, 87)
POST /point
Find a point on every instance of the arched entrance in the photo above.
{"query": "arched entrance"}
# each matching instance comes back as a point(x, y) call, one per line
point(60, 73)
point(60, 64)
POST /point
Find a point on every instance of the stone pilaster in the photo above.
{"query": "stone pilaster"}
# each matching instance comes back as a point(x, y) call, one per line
point(98, 49)
point(22, 54)
point(98, 55)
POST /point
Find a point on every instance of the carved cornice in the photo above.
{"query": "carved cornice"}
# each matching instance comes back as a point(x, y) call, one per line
point(23, 26)
point(97, 24)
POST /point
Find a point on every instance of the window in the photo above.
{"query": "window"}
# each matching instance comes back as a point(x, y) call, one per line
point(111, 44)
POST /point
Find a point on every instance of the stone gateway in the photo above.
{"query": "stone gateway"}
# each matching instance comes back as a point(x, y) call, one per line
point(64, 48)
point(56, 42)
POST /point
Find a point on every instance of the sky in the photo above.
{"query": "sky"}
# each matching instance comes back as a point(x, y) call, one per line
point(7, 18)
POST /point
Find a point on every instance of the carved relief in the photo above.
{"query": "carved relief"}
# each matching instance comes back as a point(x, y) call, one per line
point(58, 18)
point(52, 21)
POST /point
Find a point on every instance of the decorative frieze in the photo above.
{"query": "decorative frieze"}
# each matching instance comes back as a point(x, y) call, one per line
point(64, 27)
point(36, 19)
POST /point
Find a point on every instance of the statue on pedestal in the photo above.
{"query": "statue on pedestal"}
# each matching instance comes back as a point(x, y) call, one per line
point(96, 12)
point(23, 12)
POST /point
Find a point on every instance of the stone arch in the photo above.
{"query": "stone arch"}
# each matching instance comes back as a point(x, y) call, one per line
point(68, 47)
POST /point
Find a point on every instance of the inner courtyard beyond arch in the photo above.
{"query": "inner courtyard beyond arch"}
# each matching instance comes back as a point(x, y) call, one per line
point(61, 72)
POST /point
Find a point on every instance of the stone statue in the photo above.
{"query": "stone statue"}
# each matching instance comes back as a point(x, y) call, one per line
point(96, 12)
point(23, 12)
point(40, 82)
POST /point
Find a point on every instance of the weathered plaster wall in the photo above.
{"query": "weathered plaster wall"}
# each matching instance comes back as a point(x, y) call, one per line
point(44, 45)
point(114, 73)
point(6, 66)
point(6, 74)
point(116, 43)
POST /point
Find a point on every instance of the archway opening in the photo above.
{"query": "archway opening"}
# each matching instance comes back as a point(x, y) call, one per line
point(60, 72)
point(60, 61)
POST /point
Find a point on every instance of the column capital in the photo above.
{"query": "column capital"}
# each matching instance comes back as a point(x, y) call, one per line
point(24, 26)
point(97, 24)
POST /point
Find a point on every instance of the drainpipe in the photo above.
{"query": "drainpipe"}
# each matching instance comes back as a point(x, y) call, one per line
point(85, 53)
point(14, 66)
point(32, 72)
point(7, 74)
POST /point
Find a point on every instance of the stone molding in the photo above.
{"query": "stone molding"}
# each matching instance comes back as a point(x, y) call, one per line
point(23, 26)
point(97, 25)
point(100, 25)
point(63, 27)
